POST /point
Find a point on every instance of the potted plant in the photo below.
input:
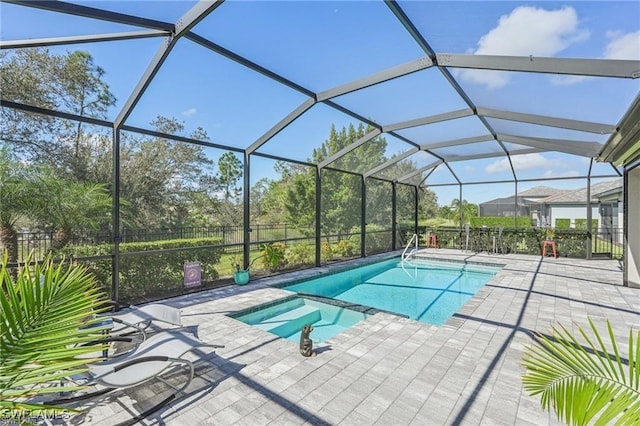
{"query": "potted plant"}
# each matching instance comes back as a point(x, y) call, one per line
point(240, 275)
point(549, 234)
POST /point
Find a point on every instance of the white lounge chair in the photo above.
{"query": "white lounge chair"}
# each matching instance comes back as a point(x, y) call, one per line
point(158, 354)
point(138, 319)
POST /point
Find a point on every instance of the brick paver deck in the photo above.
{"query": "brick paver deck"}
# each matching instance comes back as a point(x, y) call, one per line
point(386, 370)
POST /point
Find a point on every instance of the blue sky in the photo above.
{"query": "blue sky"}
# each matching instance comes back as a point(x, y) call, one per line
point(321, 44)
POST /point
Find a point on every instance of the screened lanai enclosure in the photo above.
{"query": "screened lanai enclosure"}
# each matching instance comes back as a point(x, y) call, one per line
point(167, 144)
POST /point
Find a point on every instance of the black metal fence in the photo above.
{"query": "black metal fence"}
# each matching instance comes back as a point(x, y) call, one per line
point(42, 242)
point(605, 242)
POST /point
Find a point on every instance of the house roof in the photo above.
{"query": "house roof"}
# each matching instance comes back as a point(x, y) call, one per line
point(579, 196)
point(510, 200)
point(539, 191)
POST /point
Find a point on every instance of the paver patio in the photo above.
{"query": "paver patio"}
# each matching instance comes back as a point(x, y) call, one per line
point(386, 370)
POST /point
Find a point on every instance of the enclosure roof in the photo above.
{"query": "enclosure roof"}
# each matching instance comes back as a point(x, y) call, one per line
point(465, 91)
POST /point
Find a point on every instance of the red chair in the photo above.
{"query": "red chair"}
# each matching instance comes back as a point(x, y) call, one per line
point(549, 243)
point(432, 240)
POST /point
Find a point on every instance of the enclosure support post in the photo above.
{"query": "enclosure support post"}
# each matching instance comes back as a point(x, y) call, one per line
point(246, 239)
point(363, 218)
point(415, 210)
point(394, 215)
point(318, 207)
point(460, 208)
point(115, 217)
point(589, 214)
point(515, 216)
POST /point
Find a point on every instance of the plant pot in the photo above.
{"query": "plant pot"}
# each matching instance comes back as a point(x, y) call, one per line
point(241, 277)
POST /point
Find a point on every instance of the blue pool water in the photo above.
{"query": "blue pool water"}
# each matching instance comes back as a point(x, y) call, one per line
point(286, 319)
point(424, 290)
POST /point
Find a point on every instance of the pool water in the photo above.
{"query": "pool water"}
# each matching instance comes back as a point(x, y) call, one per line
point(286, 319)
point(425, 290)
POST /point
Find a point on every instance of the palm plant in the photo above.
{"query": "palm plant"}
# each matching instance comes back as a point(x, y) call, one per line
point(585, 384)
point(46, 332)
point(73, 205)
point(17, 189)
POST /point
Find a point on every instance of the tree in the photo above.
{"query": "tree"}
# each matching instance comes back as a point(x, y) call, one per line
point(164, 179)
point(18, 189)
point(339, 212)
point(68, 206)
point(68, 82)
point(227, 181)
point(229, 172)
point(464, 210)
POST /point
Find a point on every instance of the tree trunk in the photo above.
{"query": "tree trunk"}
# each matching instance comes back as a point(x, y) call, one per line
point(9, 242)
point(60, 239)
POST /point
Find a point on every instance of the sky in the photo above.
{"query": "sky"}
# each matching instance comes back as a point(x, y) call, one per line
point(322, 44)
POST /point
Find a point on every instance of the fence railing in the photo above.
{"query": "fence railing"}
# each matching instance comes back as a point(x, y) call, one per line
point(606, 242)
point(43, 242)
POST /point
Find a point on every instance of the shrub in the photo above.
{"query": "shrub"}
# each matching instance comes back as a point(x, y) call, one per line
point(273, 256)
point(582, 224)
point(301, 254)
point(146, 276)
point(562, 223)
point(498, 221)
point(346, 248)
point(326, 253)
point(378, 239)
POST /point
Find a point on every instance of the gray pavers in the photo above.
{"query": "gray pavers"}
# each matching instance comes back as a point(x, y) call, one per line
point(388, 370)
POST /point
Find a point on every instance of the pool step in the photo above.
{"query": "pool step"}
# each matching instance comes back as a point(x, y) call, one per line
point(289, 322)
point(322, 331)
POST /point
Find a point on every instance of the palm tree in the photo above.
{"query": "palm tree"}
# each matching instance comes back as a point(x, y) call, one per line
point(585, 384)
point(70, 206)
point(44, 337)
point(463, 209)
point(18, 187)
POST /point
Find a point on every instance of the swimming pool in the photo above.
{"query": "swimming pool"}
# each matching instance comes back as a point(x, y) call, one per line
point(425, 290)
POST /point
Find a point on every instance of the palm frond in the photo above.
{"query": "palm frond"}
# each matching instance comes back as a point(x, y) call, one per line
point(44, 333)
point(585, 382)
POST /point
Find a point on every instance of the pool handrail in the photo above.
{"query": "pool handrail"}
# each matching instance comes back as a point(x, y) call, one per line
point(415, 236)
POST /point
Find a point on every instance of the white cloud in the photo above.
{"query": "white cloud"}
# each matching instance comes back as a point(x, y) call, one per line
point(525, 162)
point(526, 31)
point(623, 46)
point(189, 112)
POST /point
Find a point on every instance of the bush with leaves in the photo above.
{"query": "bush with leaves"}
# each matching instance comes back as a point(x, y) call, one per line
point(273, 256)
point(45, 333)
point(346, 248)
point(585, 382)
point(151, 276)
point(301, 254)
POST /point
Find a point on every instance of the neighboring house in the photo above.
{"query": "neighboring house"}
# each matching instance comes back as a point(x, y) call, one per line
point(571, 204)
point(544, 205)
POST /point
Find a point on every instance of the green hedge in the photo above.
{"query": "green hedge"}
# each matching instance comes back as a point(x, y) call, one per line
point(562, 223)
point(498, 221)
point(569, 242)
point(582, 224)
point(151, 276)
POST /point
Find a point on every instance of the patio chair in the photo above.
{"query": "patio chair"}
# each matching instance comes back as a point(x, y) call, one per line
point(159, 354)
point(138, 319)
